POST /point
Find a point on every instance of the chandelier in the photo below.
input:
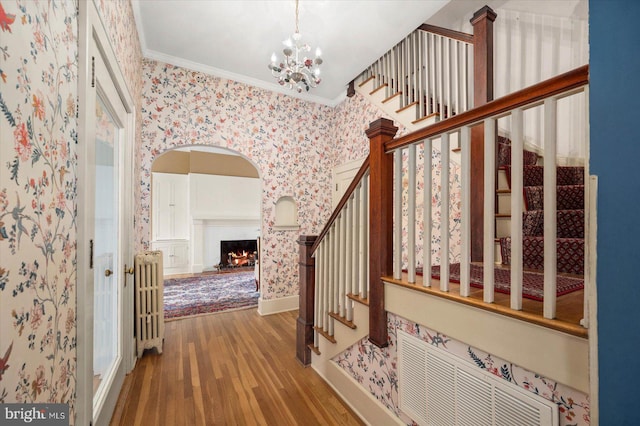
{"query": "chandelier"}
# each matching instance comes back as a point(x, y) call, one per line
point(296, 70)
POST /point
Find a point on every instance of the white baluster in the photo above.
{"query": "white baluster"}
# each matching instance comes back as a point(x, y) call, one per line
point(517, 144)
point(317, 301)
point(447, 76)
point(366, 236)
point(343, 261)
point(465, 78)
point(364, 243)
point(397, 217)
point(411, 213)
point(444, 213)
point(328, 298)
point(421, 73)
point(427, 210)
point(440, 84)
point(336, 272)
point(550, 207)
point(489, 208)
point(465, 255)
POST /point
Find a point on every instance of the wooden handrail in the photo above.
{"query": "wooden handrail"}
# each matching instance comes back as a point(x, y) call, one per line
point(536, 93)
point(336, 212)
point(445, 32)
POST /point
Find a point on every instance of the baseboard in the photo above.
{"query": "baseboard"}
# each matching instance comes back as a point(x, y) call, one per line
point(365, 405)
point(282, 304)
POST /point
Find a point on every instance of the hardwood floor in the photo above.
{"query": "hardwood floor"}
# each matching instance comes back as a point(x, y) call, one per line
point(229, 368)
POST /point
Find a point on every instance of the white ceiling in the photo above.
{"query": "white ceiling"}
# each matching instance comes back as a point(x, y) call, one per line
point(235, 39)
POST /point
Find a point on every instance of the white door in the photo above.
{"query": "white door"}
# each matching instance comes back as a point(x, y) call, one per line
point(105, 291)
point(342, 177)
point(108, 272)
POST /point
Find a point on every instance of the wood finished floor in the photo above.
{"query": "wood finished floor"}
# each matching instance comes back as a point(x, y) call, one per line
point(235, 368)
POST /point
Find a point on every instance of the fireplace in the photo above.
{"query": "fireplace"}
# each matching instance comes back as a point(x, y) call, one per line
point(236, 253)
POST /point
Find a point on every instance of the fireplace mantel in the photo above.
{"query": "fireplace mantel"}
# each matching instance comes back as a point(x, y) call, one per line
point(201, 221)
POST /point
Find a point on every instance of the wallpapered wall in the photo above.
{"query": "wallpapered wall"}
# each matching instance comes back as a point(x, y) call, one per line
point(294, 145)
point(38, 101)
point(37, 201)
point(375, 369)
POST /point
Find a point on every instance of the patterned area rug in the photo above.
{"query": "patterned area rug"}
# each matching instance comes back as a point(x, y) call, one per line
point(532, 284)
point(209, 293)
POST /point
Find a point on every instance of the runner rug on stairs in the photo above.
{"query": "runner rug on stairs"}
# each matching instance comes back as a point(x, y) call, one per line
point(570, 214)
point(532, 282)
point(209, 293)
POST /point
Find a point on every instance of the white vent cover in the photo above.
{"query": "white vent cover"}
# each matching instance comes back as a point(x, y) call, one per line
point(438, 389)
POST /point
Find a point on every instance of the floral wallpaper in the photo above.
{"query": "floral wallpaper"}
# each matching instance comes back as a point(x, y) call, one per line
point(38, 96)
point(376, 370)
point(38, 104)
point(292, 143)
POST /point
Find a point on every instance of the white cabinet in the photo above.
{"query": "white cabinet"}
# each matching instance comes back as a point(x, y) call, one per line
point(175, 255)
point(170, 221)
point(170, 206)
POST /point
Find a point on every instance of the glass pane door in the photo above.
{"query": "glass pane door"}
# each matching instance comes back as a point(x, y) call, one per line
point(106, 318)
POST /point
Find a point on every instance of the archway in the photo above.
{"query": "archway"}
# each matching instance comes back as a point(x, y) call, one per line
point(204, 200)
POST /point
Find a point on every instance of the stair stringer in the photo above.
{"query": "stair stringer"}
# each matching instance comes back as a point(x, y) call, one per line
point(404, 116)
point(358, 398)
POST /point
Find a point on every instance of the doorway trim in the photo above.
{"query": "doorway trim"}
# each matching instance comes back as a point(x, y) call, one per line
point(91, 28)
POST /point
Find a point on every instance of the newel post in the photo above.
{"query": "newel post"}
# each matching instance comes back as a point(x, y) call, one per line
point(304, 325)
point(482, 22)
point(380, 225)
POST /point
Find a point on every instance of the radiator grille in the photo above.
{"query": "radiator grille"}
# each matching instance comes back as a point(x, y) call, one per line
point(438, 389)
point(149, 282)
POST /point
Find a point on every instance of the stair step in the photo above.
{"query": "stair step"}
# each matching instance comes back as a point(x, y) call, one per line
point(568, 197)
point(427, 120)
point(504, 155)
point(570, 254)
point(343, 320)
point(393, 101)
point(314, 349)
point(534, 175)
point(503, 225)
point(356, 298)
point(570, 223)
point(408, 113)
point(368, 81)
point(379, 94)
point(504, 201)
point(503, 181)
point(324, 334)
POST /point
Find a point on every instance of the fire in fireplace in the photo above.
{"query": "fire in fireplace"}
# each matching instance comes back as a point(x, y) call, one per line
point(235, 253)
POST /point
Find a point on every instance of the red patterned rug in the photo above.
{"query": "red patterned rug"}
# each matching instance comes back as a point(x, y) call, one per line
point(209, 293)
point(532, 284)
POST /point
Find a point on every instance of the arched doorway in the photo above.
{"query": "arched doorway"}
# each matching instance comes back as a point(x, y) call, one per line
point(204, 198)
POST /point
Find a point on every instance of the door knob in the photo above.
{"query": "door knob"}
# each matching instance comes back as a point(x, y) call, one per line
point(128, 270)
point(107, 272)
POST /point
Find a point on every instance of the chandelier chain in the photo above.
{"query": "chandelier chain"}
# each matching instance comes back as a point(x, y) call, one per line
point(297, 31)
